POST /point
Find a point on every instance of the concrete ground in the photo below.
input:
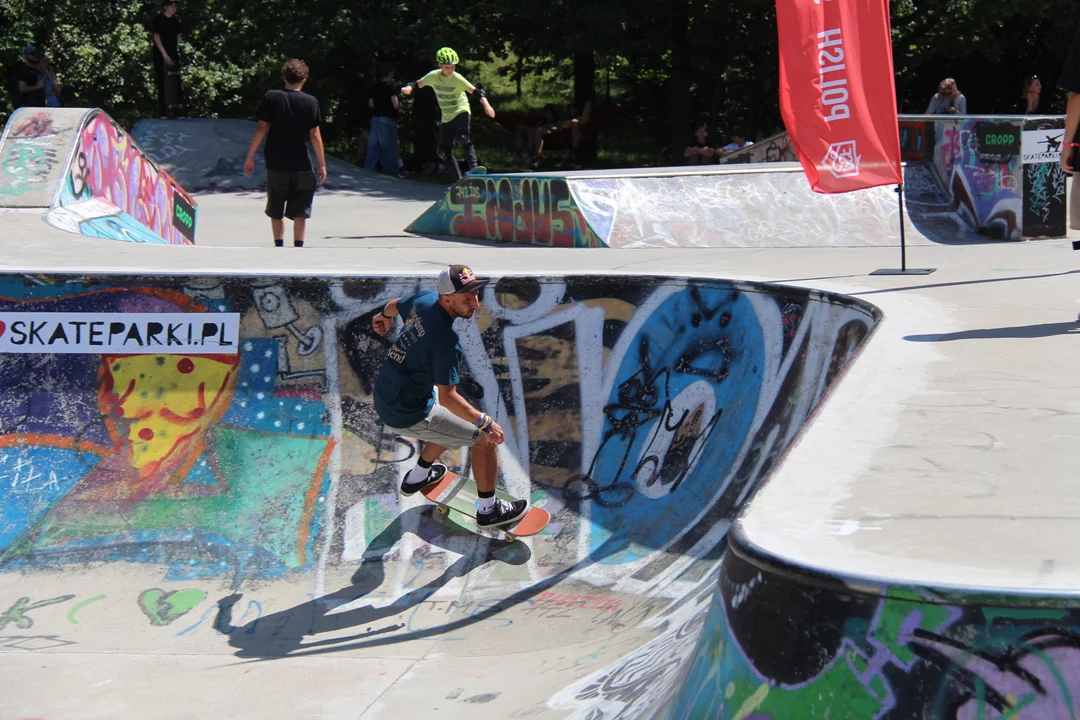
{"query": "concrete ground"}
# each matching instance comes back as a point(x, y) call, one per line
point(945, 457)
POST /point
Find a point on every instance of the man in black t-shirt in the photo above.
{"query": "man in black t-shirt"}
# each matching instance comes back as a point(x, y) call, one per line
point(166, 49)
point(382, 147)
point(1070, 82)
point(288, 119)
point(31, 81)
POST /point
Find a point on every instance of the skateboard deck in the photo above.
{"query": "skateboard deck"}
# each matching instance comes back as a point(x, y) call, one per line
point(173, 104)
point(458, 493)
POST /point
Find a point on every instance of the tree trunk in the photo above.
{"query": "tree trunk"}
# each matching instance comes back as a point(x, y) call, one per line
point(679, 88)
point(585, 92)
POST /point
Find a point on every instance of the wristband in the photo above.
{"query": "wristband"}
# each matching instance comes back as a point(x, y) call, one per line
point(414, 85)
point(484, 422)
point(1070, 144)
point(481, 92)
point(384, 314)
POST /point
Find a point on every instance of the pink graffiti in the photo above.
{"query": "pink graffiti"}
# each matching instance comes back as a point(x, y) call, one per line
point(116, 170)
point(950, 150)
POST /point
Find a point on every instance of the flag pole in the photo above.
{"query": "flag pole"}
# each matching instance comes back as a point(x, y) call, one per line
point(904, 269)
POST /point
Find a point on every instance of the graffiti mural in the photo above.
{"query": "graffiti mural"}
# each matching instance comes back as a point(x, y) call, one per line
point(619, 401)
point(537, 210)
point(113, 190)
point(777, 646)
point(32, 155)
point(985, 190)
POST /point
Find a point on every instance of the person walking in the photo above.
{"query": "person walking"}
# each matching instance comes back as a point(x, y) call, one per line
point(288, 118)
point(416, 391)
point(382, 147)
point(450, 88)
point(166, 48)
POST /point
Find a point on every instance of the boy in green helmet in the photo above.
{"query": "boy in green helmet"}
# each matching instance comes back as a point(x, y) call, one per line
point(450, 88)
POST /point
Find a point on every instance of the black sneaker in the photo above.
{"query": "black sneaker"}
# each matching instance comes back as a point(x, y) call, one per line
point(434, 475)
point(503, 513)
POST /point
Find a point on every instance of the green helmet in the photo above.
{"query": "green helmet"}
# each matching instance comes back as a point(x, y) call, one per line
point(446, 56)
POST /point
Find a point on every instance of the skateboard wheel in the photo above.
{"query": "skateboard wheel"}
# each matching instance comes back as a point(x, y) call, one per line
point(443, 509)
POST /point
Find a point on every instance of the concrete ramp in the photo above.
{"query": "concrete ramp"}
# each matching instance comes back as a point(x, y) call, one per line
point(207, 156)
point(87, 177)
point(173, 516)
point(743, 206)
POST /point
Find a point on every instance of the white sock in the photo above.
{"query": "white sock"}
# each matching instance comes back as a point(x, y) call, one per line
point(485, 505)
point(417, 475)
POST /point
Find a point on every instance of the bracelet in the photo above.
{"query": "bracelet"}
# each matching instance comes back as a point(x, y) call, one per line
point(1070, 144)
point(484, 422)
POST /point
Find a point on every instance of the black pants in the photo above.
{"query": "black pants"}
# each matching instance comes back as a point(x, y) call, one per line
point(450, 133)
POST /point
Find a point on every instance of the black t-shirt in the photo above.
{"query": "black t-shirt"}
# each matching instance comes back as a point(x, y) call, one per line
point(1070, 74)
point(169, 30)
point(292, 114)
point(31, 76)
point(382, 93)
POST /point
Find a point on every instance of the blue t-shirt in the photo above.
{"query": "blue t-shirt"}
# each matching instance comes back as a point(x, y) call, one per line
point(427, 353)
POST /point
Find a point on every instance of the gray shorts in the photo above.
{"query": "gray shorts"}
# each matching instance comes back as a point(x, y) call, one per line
point(443, 427)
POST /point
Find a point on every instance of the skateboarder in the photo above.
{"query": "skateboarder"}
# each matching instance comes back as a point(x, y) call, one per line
point(450, 88)
point(416, 391)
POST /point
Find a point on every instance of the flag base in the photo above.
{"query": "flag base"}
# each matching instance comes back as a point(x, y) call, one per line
point(904, 271)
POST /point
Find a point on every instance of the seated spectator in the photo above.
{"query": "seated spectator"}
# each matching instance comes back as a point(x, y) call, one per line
point(948, 100)
point(738, 142)
point(530, 138)
point(1031, 96)
point(575, 118)
point(700, 151)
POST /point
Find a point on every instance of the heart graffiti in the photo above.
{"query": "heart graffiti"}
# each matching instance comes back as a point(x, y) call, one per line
point(163, 607)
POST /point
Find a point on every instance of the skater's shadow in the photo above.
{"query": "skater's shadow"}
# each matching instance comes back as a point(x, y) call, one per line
point(283, 633)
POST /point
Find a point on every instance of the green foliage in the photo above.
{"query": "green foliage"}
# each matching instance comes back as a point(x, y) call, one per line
point(679, 61)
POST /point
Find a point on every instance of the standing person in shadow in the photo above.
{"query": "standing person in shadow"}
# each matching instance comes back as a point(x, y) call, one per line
point(166, 48)
point(1031, 96)
point(382, 146)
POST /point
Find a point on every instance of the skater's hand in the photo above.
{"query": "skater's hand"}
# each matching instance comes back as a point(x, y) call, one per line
point(249, 166)
point(381, 324)
point(1066, 159)
point(407, 90)
point(320, 174)
point(169, 61)
point(495, 434)
point(489, 111)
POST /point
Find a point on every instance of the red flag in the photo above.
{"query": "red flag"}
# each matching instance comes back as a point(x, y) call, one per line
point(837, 92)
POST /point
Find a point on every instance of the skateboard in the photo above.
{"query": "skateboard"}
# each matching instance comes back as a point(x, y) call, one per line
point(173, 104)
point(458, 493)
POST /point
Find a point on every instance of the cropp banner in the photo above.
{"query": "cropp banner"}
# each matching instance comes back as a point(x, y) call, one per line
point(837, 92)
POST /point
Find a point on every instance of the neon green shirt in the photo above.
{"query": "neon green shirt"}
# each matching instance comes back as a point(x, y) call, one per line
point(450, 92)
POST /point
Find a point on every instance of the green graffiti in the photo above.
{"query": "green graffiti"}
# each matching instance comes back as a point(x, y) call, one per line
point(17, 612)
point(164, 607)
